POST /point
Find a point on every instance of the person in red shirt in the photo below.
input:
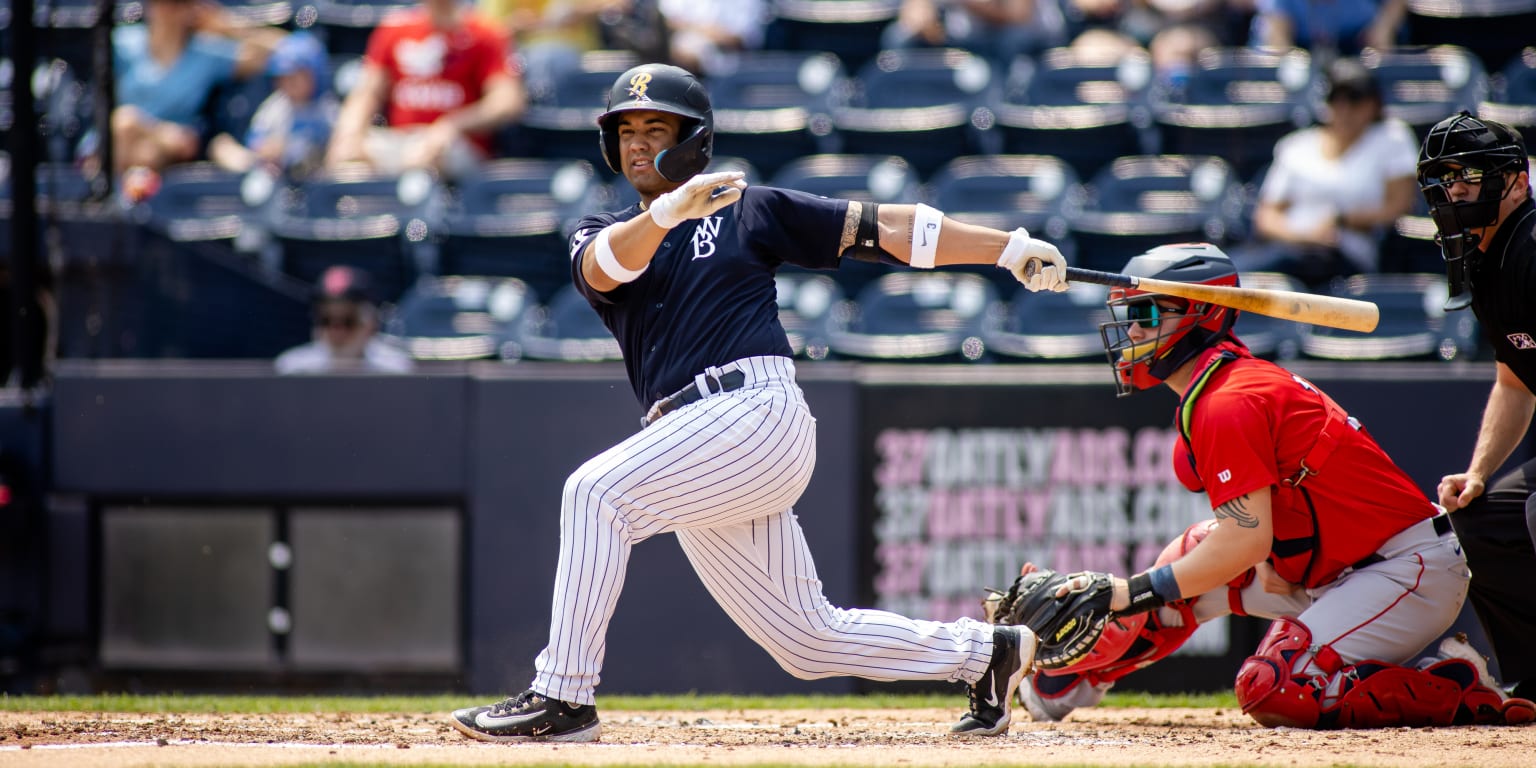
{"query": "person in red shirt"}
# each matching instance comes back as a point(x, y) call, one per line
point(442, 77)
point(1315, 527)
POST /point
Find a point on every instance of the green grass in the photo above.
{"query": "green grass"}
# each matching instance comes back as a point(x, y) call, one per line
point(443, 703)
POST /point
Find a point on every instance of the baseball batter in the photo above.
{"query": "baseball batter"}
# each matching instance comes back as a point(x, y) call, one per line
point(1315, 527)
point(685, 280)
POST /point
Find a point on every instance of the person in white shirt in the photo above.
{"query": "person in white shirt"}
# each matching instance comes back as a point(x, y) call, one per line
point(1334, 188)
point(346, 325)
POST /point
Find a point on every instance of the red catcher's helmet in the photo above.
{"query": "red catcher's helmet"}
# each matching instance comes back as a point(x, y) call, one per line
point(1183, 328)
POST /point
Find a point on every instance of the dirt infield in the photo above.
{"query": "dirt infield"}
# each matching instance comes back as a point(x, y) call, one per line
point(1122, 738)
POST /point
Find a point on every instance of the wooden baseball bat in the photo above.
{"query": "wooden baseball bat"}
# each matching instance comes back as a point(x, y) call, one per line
point(1332, 311)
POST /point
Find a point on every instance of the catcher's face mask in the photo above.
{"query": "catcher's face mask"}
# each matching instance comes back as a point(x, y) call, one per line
point(1147, 334)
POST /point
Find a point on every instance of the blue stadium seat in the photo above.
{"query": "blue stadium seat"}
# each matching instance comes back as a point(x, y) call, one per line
point(806, 303)
point(346, 24)
point(849, 29)
point(566, 328)
point(1414, 324)
point(923, 105)
point(460, 317)
point(1496, 30)
point(1512, 100)
point(203, 202)
point(915, 316)
point(1049, 326)
point(1422, 86)
point(512, 217)
point(1005, 192)
point(1143, 201)
point(773, 106)
point(1236, 104)
point(1083, 109)
point(865, 178)
point(375, 222)
point(561, 120)
point(1409, 246)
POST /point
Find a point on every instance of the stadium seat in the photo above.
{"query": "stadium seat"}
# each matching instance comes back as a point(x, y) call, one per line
point(1496, 30)
point(849, 29)
point(1143, 201)
point(1006, 192)
point(203, 202)
point(806, 302)
point(1409, 246)
point(1082, 109)
point(865, 178)
point(1049, 326)
point(566, 328)
point(773, 106)
point(919, 104)
point(1236, 104)
point(1512, 99)
point(375, 222)
point(512, 217)
point(1422, 86)
point(460, 317)
point(561, 119)
point(1414, 323)
point(346, 24)
point(915, 316)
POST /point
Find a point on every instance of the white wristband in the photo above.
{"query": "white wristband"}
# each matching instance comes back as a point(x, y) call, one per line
point(609, 263)
point(661, 210)
point(926, 224)
point(1013, 253)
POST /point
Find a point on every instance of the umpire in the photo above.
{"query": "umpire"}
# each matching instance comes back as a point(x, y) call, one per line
point(1475, 174)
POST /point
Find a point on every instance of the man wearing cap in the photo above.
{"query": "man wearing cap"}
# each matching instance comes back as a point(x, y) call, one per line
point(346, 324)
point(291, 128)
point(441, 75)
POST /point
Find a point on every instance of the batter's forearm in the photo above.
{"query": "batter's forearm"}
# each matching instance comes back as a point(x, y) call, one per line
point(958, 242)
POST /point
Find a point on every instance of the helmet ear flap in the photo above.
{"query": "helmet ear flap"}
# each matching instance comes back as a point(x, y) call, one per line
point(689, 156)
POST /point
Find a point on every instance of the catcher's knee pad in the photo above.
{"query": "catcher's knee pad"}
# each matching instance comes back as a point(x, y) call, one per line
point(1186, 541)
point(1266, 688)
point(1049, 698)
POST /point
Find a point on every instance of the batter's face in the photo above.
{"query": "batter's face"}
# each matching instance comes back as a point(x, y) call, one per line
point(643, 134)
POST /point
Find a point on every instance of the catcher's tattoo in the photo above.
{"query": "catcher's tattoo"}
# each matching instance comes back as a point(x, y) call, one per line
point(1237, 510)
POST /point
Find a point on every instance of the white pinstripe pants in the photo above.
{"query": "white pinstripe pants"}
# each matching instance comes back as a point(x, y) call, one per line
point(723, 474)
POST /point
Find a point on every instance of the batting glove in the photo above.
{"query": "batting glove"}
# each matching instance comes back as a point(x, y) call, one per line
point(1037, 264)
point(698, 197)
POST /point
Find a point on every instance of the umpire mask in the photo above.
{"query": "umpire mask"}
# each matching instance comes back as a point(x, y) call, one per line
point(1466, 149)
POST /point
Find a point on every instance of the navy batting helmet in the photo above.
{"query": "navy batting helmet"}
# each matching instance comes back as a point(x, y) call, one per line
point(663, 88)
point(1181, 334)
point(1469, 149)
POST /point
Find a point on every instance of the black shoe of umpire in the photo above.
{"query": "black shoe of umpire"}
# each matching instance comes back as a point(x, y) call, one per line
point(1013, 653)
point(529, 716)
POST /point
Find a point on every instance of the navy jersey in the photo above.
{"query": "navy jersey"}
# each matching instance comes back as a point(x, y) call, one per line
point(708, 296)
point(1504, 293)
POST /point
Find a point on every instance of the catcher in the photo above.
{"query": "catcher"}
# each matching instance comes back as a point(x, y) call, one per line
point(1315, 527)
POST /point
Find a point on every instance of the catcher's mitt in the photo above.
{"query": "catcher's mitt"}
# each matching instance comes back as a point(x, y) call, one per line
point(1067, 627)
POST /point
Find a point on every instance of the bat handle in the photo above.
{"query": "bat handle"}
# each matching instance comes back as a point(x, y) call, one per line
point(1081, 275)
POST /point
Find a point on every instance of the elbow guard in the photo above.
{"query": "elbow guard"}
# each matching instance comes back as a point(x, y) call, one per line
point(866, 242)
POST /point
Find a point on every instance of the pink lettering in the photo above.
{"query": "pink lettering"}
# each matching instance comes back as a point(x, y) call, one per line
point(901, 568)
point(902, 453)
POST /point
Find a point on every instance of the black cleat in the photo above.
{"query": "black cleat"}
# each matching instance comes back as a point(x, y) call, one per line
point(1013, 653)
point(529, 716)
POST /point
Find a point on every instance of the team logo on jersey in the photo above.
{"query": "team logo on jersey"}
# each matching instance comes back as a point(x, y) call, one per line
point(579, 242)
point(1225, 475)
point(638, 84)
point(704, 237)
point(1522, 341)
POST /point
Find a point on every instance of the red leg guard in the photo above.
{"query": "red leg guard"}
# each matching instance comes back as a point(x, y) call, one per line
point(1266, 689)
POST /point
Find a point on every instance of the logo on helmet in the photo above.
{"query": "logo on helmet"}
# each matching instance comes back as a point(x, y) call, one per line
point(638, 84)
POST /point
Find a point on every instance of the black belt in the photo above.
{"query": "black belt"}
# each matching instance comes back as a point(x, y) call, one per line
point(725, 382)
point(1442, 525)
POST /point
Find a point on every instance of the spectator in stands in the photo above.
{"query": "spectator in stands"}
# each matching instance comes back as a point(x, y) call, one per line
point(291, 128)
point(701, 31)
point(995, 29)
point(551, 35)
point(345, 331)
point(1342, 27)
point(1334, 188)
point(167, 68)
point(441, 75)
